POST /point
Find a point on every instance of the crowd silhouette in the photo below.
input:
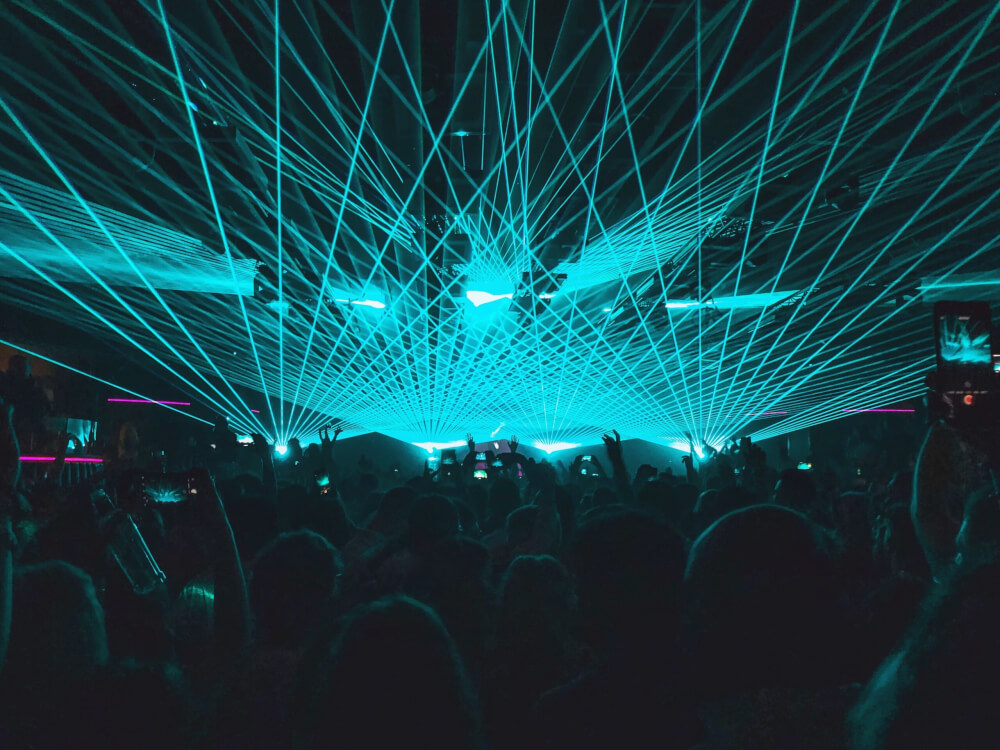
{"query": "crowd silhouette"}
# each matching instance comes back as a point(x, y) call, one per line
point(306, 603)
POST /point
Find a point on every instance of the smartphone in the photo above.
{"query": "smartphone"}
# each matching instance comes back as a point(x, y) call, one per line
point(586, 458)
point(963, 343)
point(497, 463)
point(480, 456)
point(804, 466)
point(479, 474)
point(167, 488)
point(448, 456)
point(244, 439)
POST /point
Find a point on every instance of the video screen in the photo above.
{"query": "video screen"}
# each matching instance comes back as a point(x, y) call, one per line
point(964, 340)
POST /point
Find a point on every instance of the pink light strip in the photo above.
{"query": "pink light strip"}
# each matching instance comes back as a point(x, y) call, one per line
point(880, 411)
point(255, 411)
point(69, 459)
point(147, 401)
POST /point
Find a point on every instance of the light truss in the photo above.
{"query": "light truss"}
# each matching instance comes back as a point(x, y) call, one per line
point(706, 219)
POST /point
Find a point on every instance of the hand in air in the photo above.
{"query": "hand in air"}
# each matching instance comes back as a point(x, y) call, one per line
point(513, 443)
point(613, 445)
point(471, 442)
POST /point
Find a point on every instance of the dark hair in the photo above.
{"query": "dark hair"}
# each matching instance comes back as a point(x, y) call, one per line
point(57, 624)
point(761, 601)
point(392, 677)
point(292, 585)
point(521, 525)
point(629, 569)
point(432, 520)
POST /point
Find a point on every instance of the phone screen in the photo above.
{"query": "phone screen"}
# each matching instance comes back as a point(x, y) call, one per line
point(479, 474)
point(804, 466)
point(168, 488)
point(448, 456)
point(480, 456)
point(963, 337)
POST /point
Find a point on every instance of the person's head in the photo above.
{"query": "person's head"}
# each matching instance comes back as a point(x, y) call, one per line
point(796, 490)
point(452, 578)
point(604, 496)
point(292, 587)
point(504, 498)
point(393, 512)
point(392, 677)
point(536, 601)
point(432, 520)
point(760, 609)
point(57, 627)
point(128, 442)
point(629, 569)
point(520, 525)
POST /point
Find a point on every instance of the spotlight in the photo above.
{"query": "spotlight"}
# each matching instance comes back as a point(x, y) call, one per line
point(281, 449)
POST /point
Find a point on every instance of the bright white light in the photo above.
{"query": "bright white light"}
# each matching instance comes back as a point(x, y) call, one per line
point(553, 447)
point(483, 298)
point(369, 303)
point(546, 296)
point(281, 449)
point(739, 302)
point(606, 309)
point(679, 445)
point(431, 447)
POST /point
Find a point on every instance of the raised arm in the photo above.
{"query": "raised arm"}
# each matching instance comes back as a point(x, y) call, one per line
point(10, 469)
point(613, 446)
point(268, 478)
point(935, 479)
point(231, 603)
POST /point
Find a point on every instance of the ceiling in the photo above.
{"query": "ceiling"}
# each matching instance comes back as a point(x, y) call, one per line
point(684, 215)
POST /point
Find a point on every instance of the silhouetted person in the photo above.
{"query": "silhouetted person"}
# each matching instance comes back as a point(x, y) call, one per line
point(764, 631)
point(629, 570)
point(393, 678)
point(535, 649)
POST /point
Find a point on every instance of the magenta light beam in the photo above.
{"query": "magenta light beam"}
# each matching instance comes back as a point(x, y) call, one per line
point(69, 459)
point(147, 401)
point(880, 411)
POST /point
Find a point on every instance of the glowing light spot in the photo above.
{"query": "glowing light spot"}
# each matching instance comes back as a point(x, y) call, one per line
point(554, 446)
point(484, 298)
point(281, 449)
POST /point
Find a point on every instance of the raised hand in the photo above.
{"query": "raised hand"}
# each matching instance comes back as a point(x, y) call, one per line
point(513, 443)
point(336, 432)
point(324, 435)
point(471, 442)
point(613, 445)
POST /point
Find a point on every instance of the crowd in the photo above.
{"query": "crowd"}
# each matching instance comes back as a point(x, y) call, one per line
point(219, 598)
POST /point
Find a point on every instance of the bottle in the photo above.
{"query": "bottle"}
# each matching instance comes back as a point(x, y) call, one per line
point(128, 548)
